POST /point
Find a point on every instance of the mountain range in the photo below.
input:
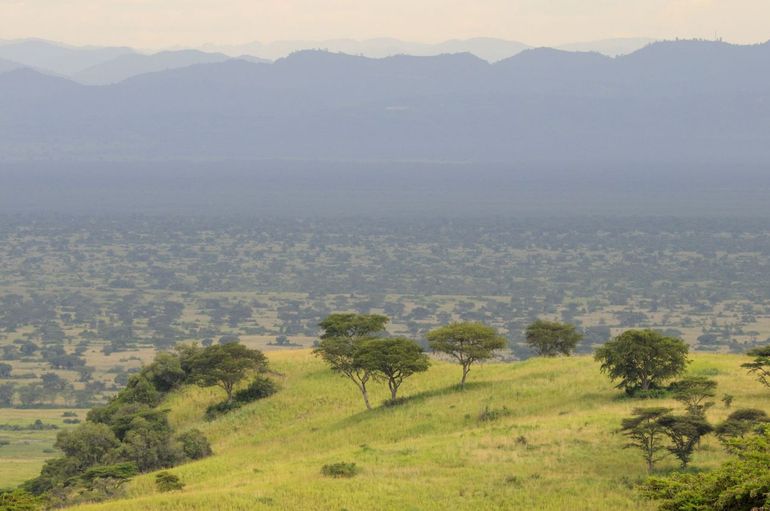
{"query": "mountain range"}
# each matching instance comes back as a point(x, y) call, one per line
point(679, 101)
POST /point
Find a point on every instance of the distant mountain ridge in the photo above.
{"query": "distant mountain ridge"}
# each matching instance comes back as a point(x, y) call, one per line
point(679, 101)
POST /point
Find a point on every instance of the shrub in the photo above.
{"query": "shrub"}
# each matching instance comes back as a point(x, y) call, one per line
point(492, 414)
point(214, 411)
point(19, 500)
point(339, 470)
point(166, 481)
point(260, 388)
point(194, 444)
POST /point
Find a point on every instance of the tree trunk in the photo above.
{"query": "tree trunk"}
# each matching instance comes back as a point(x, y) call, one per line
point(366, 396)
point(466, 370)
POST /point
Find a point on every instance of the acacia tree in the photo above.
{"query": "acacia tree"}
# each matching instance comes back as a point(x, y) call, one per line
point(551, 338)
point(642, 359)
point(685, 432)
point(760, 366)
point(693, 392)
point(467, 343)
point(646, 433)
point(224, 365)
point(393, 359)
point(341, 341)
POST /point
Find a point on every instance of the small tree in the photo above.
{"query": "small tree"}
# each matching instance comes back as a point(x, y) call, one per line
point(341, 340)
point(693, 392)
point(551, 338)
point(468, 343)
point(393, 360)
point(225, 365)
point(685, 432)
point(166, 481)
point(7, 391)
point(5, 370)
point(760, 366)
point(645, 432)
point(741, 422)
point(642, 359)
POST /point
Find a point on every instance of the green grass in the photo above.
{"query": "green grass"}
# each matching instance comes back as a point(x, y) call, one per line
point(22, 458)
point(556, 448)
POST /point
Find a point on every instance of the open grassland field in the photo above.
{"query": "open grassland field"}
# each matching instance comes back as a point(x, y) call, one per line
point(554, 446)
point(28, 448)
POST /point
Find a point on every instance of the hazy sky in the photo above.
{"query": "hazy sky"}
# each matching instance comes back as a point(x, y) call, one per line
point(161, 23)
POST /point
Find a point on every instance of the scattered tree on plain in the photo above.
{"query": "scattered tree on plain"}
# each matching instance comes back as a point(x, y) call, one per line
point(392, 359)
point(551, 338)
point(760, 366)
point(693, 392)
point(468, 343)
point(642, 359)
point(645, 432)
point(740, 423)
point(684, 432)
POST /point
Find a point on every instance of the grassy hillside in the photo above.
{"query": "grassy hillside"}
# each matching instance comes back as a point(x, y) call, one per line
point(558, 449)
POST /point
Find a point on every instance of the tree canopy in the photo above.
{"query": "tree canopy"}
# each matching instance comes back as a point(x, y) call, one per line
point(392, 359)
point(642, 359)
point(551, 338)
point(468, 343)
point(224, 365)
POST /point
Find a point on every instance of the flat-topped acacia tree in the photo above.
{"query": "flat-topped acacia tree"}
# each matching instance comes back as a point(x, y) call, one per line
point(467, 342)
point(341, 341)
point(551, 338)
point(393, 359)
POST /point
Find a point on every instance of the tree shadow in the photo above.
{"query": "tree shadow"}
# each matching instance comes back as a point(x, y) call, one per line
point(386, 407)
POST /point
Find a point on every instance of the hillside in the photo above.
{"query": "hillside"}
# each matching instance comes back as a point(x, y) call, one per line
point(556, 450)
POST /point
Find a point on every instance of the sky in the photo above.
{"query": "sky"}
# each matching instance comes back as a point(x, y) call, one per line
point(168, 23)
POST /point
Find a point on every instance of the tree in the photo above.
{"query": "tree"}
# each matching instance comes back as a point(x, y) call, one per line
point(225, 365)
point(351, 325)
point(468, 343)
point(7, 391)
point(31, 394)
point(693, 392)
point(5, 370)
point(642, 359)
point(88, 444)
point(341, 354)
point(340, 342)
point(760, 366)
point(741, 483)
point(645, 432)
point(685, 432)
point(740, 423)
point(551, 338)
point(393, 360)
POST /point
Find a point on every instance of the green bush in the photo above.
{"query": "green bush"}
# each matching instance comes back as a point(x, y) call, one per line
point(260, 388)
point(19, 500)
point(194, 444)
point(166, 481)
point(339, 470)
point(492, 414)
point(216, 410)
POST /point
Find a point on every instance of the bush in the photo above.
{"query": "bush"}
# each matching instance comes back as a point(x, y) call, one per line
point(194, 444)
point(19, 500)
point(260, 388)
point(339, 470)
point(166, 481)
point(492, 414)
point(214, 411)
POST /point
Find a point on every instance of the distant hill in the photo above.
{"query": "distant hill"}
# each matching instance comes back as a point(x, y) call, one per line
point(55, 57)
point(610, 47)
point(7, 65)
point(126, 66)
point(674, 102)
